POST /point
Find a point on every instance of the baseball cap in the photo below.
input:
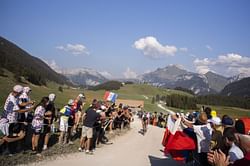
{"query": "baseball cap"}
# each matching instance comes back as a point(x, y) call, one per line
point(70, 102)
point(227, 121)
point(215, 120)
point(18, 88)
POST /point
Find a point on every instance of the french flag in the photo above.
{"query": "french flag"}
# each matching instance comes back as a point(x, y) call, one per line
point(176, 141)
point(110, 96)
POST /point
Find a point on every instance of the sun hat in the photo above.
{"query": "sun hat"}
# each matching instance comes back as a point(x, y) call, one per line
point(52, 97)
point(18, 88)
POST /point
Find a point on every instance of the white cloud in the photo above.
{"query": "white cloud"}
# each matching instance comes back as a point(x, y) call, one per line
point(106, 74)
point(202, 69)
point(147, 71)
point(75, 49)
point(153, 49)
point(192, 55)
point(209, 47)
point(184, 49)
point(129, 73)
point(52, 64)
point(230, 64)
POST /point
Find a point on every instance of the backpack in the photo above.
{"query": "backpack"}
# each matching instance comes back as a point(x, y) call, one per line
point(65, 111)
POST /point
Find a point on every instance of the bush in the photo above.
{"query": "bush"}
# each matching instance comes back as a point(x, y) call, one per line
point(110, 85)
point(60, 89)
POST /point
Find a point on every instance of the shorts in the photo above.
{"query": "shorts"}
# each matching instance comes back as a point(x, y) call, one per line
point(46, 129)
point(71, 122)
point(87, 132)
point(63, 125)
point(37, 131)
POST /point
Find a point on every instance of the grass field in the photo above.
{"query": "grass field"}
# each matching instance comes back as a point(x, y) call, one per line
point(132, 91)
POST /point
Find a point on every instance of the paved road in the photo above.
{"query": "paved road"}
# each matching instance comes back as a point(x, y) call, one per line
point(131, 149)
point(166, 109)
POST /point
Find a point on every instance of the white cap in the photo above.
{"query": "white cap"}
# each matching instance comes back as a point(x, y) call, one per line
point(18, 88)
point(70, 102)
point(52, 97)
point(26, 89)
point(98, 111)
point(81, 95)
point(103, 107)
point(215, 120)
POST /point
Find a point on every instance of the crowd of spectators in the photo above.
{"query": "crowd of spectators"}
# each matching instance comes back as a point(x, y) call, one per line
point(219, 141)
point(27, 126)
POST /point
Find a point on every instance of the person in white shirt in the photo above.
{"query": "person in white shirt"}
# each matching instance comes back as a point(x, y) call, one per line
point(203, 133)
point(235, 153)
point(12, 108)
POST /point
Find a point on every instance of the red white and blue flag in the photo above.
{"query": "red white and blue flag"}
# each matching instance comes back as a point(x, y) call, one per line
point(110, 96)
point(175, 140)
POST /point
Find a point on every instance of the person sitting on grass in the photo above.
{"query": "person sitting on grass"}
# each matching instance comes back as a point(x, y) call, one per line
point(6, 140)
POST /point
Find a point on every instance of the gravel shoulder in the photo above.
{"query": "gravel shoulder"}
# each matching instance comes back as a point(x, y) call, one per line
point(132, 149)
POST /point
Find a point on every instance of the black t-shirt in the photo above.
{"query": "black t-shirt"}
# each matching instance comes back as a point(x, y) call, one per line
point(79, 103)
point(109, 112)
point(50, 107)
point(21, 116)
point(91, 117)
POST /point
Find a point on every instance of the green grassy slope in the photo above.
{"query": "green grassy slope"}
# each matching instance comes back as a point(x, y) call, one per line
point(132, 91)
point(37, 93)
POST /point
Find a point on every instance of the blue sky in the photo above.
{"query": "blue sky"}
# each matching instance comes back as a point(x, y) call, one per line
point(128, 38)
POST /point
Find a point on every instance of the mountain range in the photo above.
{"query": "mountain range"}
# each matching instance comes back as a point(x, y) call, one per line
point(174, 76)
point(171, 76)
point(31, 68)
point(84, 76)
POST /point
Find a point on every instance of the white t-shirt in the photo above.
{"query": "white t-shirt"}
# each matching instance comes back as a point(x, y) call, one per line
point(24, 98)
point(235, 153)
point(204, 135)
